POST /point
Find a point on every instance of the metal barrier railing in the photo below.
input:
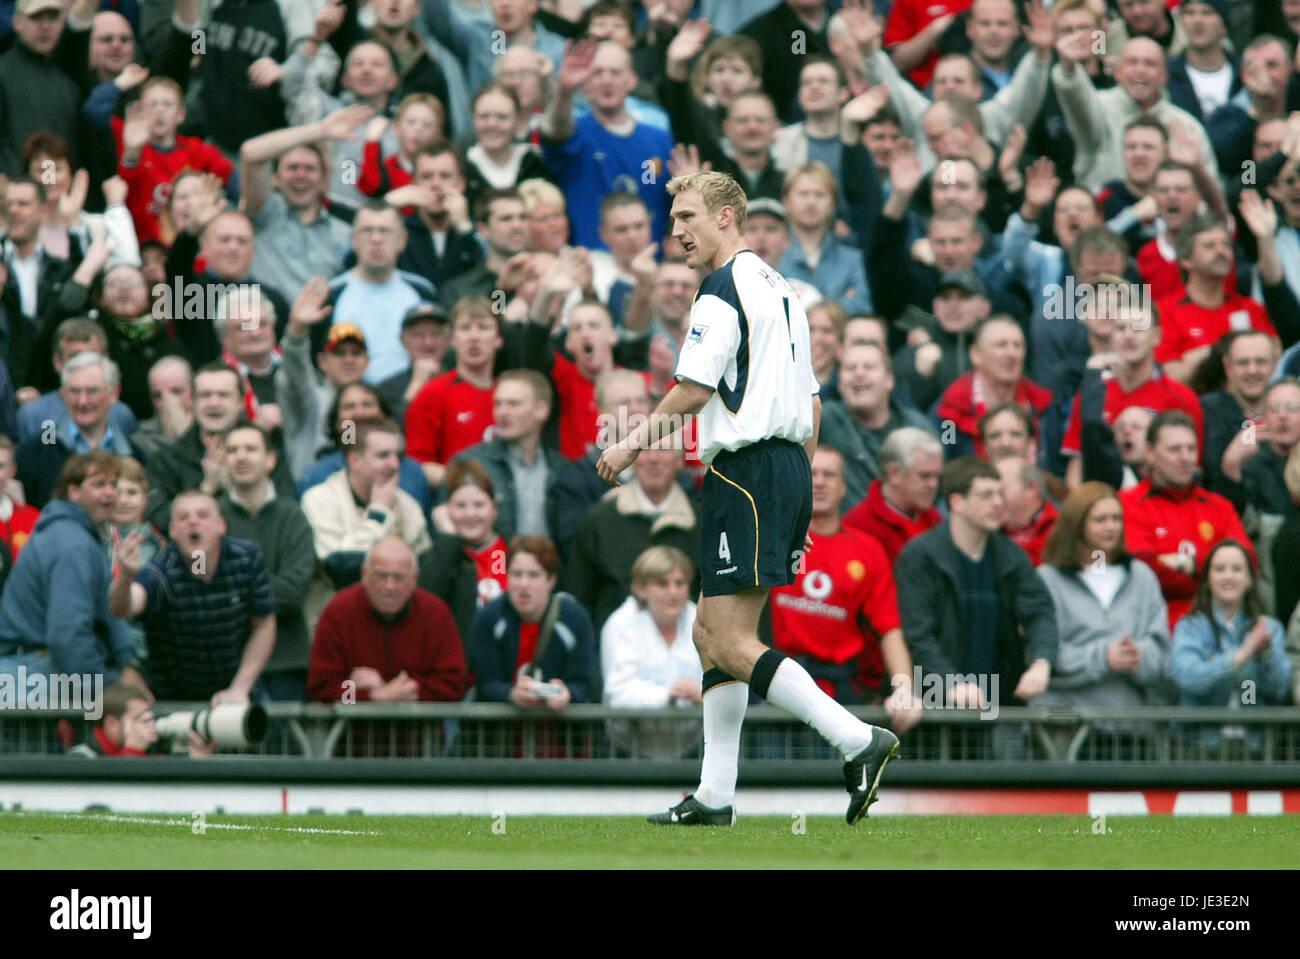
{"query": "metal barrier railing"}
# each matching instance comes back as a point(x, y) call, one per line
point(1159, 736)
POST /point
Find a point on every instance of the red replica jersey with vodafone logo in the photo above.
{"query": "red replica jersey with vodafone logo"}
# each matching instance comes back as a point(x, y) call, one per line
point(1184, 325)
point(839, 606)
point(447, 415)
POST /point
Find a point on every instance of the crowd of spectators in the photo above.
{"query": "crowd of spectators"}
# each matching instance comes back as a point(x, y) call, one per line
point(315, 314)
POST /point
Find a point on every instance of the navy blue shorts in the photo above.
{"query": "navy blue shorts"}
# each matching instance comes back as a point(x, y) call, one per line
point(754, 515)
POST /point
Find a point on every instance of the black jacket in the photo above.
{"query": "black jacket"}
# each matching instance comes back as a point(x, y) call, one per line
point(1183, 94)
point(493, 650)
point(1223, 420)
point(461, 254)
point(930, 604)
point(782, 56)
point(179, 466)
point(240, 33)
point(598, 571)
point(449, 573)
point(196, 338)
point(1101, 459)
point(39, 94)
point(27, 342)
point(531, 167)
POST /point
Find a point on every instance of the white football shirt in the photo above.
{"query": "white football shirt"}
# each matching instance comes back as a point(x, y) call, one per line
point(748, 341)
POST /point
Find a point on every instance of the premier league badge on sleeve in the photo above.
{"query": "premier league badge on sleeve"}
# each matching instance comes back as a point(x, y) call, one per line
point(696, 333)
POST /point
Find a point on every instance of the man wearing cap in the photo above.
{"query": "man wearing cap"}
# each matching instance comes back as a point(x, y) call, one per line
point(38, 92)
point(425, 339)
point(925, 370)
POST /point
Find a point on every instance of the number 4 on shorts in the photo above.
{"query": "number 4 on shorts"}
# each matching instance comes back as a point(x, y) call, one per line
point(724, 551)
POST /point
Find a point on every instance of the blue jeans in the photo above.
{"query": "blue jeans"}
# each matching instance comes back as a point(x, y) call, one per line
point(36, 663)
point(14, 738)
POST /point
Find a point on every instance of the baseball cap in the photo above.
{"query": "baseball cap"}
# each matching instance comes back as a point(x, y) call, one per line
point(962, 280)
point(344, 331)
point(765, 204)
point(424, 311)
point(29, 8)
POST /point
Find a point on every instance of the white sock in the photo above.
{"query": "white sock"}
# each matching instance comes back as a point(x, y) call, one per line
point(795, 691)
point(724, 712)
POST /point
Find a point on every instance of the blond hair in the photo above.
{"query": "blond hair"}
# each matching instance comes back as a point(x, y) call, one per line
point(428, 100)
point(656, 563)
point(816, 169)
point(538, 192)
point(716, 190)
point(129, 469)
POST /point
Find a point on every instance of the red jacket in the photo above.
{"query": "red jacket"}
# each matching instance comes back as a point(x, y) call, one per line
point(876, 517)
point(1165, 520)
point(379, 176)
point(962, 403)
point(423, 641)
point(1033, 536)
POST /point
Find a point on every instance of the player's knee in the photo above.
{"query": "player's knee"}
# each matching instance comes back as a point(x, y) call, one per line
point(700, 637)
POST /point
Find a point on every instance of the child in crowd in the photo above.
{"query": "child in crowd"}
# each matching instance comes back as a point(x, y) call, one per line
point(421, 121)
point(151, 153)
point(128, 516)
point(17, 520)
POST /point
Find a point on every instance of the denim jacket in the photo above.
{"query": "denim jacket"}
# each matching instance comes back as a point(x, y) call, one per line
point(1203, 667)
point(840, 274)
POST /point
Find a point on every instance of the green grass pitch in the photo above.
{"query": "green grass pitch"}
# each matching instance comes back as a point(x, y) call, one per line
point(41, 841)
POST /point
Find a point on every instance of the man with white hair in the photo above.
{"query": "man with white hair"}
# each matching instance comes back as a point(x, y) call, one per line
point(90, 384)
point(900, 505)
point(384, 640)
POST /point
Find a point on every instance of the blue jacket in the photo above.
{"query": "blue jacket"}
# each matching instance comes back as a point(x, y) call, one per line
point(40, 463)
point(57, 597)
point(1203, 669)
point(494, 649)
point(839, 275)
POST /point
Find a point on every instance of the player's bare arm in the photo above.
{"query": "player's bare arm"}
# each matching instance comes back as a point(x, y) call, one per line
point(685, 399)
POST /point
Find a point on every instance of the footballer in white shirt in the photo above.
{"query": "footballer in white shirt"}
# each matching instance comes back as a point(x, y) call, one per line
point(746, 370)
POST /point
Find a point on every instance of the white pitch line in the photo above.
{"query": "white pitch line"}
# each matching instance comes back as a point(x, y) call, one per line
point(105, 817)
